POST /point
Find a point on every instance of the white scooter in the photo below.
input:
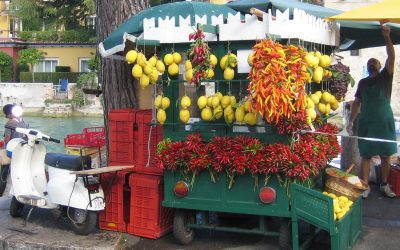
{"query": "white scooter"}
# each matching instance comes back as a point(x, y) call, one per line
point(77, 197)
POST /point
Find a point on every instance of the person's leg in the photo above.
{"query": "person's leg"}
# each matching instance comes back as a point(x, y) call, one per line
point(365, 168)
point(3, 178)
point(385, 170)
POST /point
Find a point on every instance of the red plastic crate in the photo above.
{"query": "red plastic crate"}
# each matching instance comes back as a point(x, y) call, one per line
point(142, 127)
point(119, 115)
point(148, 218)
point(116, 213)
point(141, 156)
point(121, 153)
point(90, 137)
point(394, 181)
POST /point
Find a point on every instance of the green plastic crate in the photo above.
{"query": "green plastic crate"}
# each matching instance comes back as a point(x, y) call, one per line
point(315, 208)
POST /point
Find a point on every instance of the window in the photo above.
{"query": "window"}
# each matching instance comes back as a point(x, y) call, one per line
point(83, 65)
point(46, 65)
point(91, 22)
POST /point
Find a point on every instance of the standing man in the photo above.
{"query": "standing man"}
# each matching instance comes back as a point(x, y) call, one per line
point(372, 101)
point(13, 121)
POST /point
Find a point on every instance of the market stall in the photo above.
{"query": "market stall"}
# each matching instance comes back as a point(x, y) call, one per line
point(243, 103)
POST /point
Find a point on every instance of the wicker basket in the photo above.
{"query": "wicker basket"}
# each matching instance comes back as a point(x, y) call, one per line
point(340, 186)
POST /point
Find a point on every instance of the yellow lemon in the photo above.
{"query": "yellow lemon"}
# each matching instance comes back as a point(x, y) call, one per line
point(210, 73)
point(213, 60)
point(206, 114)
point(185, 102)
point(165, 102)
point(310, 103)
point(177, 57)
point(168, 59)
point(160, 66)
point(226, 100)
point(233, 100)
point(184, 115)
point(144, 81)
point(173, 69)
point(209, 101)
point(318, 54)
point(218, 112)
point(223, 63)
point(250, 118)
point(239, 114)
point(188, 64)
point(157, 102)
point(141, 59)
point(247, 105)
point(318, 93)
point(131, 56)
point(215, 101)
point(161, 116)
point(137, 71)
point(153, 76)
point(147, 69)
point(202, 102)
point(229, 118)
point(325, 61)
point(219, 94)
point(250, 58)
point(321, 108)
point(232, 60)
point(327, 109)
point(326, 97)
point(153, 61)
point(189, 75)
point(312, 114)
point(229, 73)
point(228, 110)
point(318, 74)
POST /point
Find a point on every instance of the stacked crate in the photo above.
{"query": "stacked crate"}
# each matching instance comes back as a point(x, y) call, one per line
point(394, 180)
point(147, 217)
point(133, 142)
point(90, 142)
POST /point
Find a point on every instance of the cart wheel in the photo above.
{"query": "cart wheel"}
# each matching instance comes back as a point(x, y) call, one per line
point(183, 234)
point(285, 237)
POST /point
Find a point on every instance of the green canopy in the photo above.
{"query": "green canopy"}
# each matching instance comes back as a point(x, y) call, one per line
point(114, 43)
point(353, 35)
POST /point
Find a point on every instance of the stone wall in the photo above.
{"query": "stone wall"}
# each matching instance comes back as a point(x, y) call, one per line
point(32, 96)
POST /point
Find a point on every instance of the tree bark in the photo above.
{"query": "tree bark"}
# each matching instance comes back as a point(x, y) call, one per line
point(115, 75)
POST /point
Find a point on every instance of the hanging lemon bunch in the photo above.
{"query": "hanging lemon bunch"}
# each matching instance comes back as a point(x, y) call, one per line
point(228, 63)
point(184, 113)
point(143, 70)
point(172, 60)
point(161, 103)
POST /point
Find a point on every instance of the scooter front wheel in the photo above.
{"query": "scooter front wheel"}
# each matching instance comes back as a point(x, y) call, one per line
point(83, 222)
point(16, 207)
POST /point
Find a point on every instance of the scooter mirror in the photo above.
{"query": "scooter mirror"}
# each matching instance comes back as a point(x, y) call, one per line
point(17, 111)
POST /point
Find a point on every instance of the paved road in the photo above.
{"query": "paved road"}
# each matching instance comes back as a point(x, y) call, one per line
point(381, 230)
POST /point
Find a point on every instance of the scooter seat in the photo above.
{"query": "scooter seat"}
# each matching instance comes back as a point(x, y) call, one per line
point(68, 162)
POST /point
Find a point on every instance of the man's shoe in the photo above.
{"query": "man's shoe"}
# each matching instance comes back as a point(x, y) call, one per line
point(366, 193)
point(387, 191)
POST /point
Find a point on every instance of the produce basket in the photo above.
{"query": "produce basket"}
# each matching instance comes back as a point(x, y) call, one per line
point(336, 183)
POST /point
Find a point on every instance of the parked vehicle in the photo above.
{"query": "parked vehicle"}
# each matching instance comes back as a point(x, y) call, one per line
point(34, 184)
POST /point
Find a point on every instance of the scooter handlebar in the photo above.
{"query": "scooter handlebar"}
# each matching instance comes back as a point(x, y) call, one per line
point(33, 132)
point(54, 140)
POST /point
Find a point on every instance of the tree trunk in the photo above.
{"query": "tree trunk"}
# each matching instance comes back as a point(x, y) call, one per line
point(115, 75)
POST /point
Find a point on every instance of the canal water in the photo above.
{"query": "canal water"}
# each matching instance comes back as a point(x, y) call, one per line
point(58, 128)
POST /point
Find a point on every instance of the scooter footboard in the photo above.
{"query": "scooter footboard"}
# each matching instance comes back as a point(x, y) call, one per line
point(68, 190)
